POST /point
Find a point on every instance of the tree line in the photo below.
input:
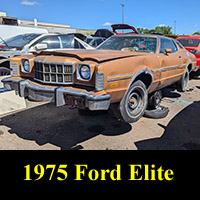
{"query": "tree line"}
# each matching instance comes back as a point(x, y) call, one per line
point(165, 30)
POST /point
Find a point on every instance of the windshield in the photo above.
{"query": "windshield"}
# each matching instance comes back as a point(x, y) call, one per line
point(19, 41)
point(130, 43)
point(189, 42)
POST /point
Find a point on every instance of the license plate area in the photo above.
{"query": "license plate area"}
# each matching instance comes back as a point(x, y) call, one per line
point(75, 101)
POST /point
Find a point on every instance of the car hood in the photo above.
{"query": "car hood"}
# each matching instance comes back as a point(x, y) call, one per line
point(9, 53)
point(94, 55)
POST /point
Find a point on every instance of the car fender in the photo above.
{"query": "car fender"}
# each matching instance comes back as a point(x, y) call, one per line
point(137, 77)
point(190, 65)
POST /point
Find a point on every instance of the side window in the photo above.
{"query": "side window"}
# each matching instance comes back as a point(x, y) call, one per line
point(94, 43)
point(179, 44)
point(167, 44)
point(81, 46)
point(78, 45)
point(66, 41)
point(99, 41)
point(52, 42)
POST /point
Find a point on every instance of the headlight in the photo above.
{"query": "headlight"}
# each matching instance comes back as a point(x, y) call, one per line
point(25, 66)
point(83, 72)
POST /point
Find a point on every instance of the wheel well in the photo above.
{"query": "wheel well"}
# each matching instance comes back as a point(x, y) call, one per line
point(5, 64)
point(145, 78)
point(189, 67)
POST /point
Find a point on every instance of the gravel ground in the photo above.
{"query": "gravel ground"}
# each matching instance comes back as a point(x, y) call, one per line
point(42, 126)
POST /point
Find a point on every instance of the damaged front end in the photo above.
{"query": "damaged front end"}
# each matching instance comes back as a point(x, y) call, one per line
point(63, 80)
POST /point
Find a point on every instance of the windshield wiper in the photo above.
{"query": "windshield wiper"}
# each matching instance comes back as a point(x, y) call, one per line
point(4, 42)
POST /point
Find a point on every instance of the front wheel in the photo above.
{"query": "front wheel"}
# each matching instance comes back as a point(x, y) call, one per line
point(134, 103)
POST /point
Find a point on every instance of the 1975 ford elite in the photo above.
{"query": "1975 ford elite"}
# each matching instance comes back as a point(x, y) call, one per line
point(123, 70)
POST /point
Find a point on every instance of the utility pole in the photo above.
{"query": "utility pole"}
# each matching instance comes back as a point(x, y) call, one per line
point(175, 27)
point(122, 12)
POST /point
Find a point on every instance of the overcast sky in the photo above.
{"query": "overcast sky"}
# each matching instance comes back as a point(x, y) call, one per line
point(94, 14)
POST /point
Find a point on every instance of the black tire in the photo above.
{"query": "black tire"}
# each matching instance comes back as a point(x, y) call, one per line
point(183, 84)
point(155, 99)
point(134, 103)
point(158, 113)
point(4, 71)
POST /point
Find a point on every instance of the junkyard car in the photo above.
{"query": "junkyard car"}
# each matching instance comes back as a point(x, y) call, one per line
point(99, 36)
point(122, 72)
point(27, 43)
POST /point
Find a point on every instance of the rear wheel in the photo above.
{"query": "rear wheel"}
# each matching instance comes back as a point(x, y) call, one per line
point(132, 106)
point(4, 71)
point(183, 84)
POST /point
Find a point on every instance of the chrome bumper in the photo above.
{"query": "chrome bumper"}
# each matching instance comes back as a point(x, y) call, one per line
point(60, 95)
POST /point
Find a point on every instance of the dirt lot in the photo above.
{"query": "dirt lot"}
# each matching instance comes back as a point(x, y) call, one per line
point(43, 126)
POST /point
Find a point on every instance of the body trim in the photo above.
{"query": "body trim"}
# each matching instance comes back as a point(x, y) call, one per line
point(168, 68)
point(120, 77)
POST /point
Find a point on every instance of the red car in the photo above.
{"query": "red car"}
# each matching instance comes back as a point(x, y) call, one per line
point(192, 44)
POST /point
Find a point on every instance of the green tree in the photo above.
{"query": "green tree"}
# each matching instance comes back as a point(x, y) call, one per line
point(166, 30)
point(143, 30)
point(196, 33)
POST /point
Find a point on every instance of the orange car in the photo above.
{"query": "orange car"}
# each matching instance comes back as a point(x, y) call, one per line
point(123, 71)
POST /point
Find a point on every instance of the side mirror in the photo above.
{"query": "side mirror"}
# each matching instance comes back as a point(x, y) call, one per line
point(168, 51)
point(40, 47)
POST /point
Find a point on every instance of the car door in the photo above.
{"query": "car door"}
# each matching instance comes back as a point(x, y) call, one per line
point(170, 63)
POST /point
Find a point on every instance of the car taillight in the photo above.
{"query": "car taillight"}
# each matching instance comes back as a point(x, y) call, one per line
point(1, 47)
point(195, 51)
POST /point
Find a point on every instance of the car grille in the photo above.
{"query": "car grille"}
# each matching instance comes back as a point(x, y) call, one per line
point(54, 72)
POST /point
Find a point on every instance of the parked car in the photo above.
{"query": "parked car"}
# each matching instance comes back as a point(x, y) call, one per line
point(192, 44)
point(94, 41)
point(105, 33)
point(98, 37)
point(119, 29)
point(121, 72)
point(27, 43)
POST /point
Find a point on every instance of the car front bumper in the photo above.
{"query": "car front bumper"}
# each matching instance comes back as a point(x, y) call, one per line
point(60, 95)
